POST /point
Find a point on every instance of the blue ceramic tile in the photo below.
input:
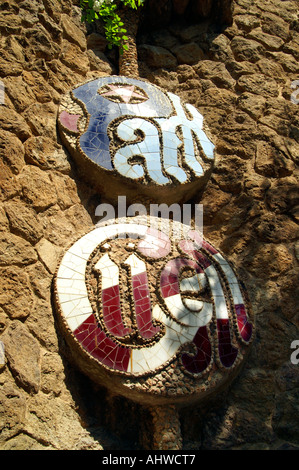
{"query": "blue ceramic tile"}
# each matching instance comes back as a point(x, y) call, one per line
point(193, 164)
point(208, 148)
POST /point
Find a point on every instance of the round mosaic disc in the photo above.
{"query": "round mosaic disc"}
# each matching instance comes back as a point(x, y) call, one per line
point(152, 311)
point(138, 136)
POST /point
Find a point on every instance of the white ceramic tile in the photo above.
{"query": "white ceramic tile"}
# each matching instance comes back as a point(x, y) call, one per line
point(214, 279)
point(95, 237)
point(157, 357)
point(175, 306)
point(83, 305)
point(196, 114)
point(124, 153)
point(151, 144)
point(125, 132)
point(193, 304)
point(190, 318)
point(77, 321)
point(190, 284)
point(82, 249)
point(136, 264)
point(170, 156)
point(177, 104)
point(74, 262)
point(229, 274)
point(220, 308)
point(137, 362)
point(142, 109)
point(193, 164)
point(153, 161)
point(66, 272)
point(187, 333)
point(158, 314)
point(148, 128)
point(78, 314)
point(109, 271)
point(219, 258)
point(122, 166)
point(208, 149)
point(188, 146)
point(236, 293)
point(206, 314)
point(158, 177)
point(169, 347)
point(66, 297)
point(202, 279)
point(70, 286)
point(69, 309)
point(170, 139)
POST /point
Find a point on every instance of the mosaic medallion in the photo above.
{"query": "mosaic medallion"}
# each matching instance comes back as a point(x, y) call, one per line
point(126, 134)
point(152, 311)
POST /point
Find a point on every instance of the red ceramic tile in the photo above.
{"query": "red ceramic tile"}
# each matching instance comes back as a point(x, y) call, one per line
point(143, 307)
point(209, 247)
point(112, 312)
point(157, 246)
point(227, 352)
point(189, 248)
point(69, 121)
point(102, 348)
point(244, 326)
point(203, 260)
point(199, 362)
point(169, 280)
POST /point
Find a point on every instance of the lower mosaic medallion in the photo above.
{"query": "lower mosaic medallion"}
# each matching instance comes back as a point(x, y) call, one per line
point(126, 134)
point(152, 311)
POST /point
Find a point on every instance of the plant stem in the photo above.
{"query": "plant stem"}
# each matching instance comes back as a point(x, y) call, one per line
point(128, 60)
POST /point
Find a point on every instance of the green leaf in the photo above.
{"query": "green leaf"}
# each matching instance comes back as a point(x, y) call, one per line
point(114, 31)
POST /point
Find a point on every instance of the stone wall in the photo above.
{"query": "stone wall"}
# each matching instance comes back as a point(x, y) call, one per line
point(239, 76)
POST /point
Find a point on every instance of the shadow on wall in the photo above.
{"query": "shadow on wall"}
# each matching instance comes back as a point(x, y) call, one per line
point(159, 13)
point(112, 422)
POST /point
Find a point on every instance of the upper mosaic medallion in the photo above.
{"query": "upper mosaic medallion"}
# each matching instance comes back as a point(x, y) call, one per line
point(139, 136)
